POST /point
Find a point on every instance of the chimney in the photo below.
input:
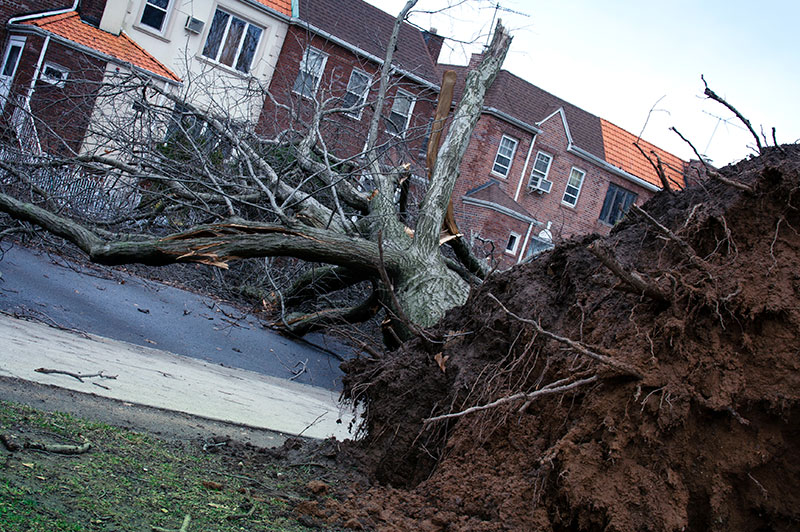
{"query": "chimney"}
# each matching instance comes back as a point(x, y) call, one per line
point(474, 61)
point(434, 43)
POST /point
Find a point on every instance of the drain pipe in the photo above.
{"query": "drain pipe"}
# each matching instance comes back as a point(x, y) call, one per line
point(36, 72)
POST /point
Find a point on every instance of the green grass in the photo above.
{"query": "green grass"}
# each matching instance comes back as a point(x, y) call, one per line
point(132, 482)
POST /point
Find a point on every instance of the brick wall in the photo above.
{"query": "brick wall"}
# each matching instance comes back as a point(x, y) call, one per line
point(343, 134)
point(14, 8)
point(63, 112)
point(567, 221)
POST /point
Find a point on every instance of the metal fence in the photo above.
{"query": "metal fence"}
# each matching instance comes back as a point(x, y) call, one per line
point(98, 197)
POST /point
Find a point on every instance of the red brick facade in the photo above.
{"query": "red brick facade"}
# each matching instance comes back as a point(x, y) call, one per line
point(344, 134)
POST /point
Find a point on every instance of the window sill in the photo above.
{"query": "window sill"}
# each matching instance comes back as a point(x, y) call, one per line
point(501, 176)
point(570, 207)
point(225, 68)
point(160, 35)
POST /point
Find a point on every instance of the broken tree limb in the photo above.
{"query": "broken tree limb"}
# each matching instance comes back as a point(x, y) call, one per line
point(631, 278)
point(713, 95)
point(625, 369)
point(79, 376)
point(11, 444)
point(659, 168)
point(710, 171)
point(550, 389)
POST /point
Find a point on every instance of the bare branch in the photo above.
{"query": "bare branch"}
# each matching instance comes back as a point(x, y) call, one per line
point(633, 279)
point(713, 95)
point(528, 396)
point(710, 171)
point(580, 347)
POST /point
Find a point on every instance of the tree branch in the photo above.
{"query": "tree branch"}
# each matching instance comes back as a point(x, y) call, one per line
point(434, 205)
point(633, 279)
point(580, 347)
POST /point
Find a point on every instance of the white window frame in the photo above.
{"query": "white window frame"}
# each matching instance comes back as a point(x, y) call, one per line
point(360, 99)
point(57, 81)
point(509, 157)
point(537, 173)
point(167, 16)
point(239, 46)
point(517, 237)
point(316, 76)
point(6, 80)
point(565, 199)
point(413, 102)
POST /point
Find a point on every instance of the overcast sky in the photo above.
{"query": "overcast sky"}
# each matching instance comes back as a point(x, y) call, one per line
point(617, 58)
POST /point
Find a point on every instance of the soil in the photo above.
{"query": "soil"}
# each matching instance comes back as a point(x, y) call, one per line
point(695, 427)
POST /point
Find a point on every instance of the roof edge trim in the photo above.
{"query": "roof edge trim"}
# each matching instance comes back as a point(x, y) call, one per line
point(501, 209)
point(583, 154)
point(89, 51)
point(530, 128)
point(344, 44)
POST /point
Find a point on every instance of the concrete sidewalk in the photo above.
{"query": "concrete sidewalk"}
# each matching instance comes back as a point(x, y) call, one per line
point(159, 379)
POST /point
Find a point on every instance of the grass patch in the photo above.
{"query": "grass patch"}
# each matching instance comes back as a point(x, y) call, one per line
point(130, 481)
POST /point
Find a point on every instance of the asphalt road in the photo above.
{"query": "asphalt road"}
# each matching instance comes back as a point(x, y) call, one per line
point(119, 306)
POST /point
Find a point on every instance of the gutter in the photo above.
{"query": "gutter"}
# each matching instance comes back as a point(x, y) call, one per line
point(583, 154)
point(592, 158)
point(22, 18)
point(89, 51)
point(344, 44)
point(501, 209)
point(508, 118)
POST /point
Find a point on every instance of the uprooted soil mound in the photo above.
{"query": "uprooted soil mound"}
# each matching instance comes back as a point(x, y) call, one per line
point(683, 380)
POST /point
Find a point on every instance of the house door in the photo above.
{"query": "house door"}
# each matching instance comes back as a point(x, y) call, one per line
point(9, 66)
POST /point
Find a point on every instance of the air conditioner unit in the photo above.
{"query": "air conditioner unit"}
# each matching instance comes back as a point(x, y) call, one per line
point(194, 25)
point(543, 187)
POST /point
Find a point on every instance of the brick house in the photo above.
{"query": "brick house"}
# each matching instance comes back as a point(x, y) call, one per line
point(539, 170)
point(332, 55)
point(53, 63)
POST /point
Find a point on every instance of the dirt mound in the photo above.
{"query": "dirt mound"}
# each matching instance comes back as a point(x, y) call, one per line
point(683, 407)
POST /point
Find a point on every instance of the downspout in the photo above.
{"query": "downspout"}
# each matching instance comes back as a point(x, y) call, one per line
point(525, 243)
point(524, 169)
point(37, 71)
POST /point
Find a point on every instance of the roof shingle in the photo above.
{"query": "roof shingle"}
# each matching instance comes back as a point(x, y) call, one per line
point(491, 192)
point(622, 153)
point(121, 47)
point(281, 6)
point(369, 29)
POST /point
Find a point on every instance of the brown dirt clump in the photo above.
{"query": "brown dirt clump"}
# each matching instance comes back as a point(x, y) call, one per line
point(701, 435)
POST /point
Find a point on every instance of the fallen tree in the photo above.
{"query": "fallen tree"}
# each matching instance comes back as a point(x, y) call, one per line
point(238, 195)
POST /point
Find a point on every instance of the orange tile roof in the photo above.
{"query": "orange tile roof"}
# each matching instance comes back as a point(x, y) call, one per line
point(281, 6)
point(621, 152)
point(121, 47)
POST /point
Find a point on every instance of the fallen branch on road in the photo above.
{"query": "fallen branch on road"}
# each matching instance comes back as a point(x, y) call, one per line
point(79, 376)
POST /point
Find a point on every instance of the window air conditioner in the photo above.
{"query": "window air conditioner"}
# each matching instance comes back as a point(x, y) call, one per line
point(543, 187)
point(194, 25)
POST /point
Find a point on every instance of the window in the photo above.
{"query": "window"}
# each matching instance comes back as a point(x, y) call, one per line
point(400, 115)
point(357, 90)
point(541, 167)
point(618, 201)
point(231, 41)
point(311, 68)
point(573, 187)
point(154, 14)
point(513, 242)
point(504, 157)
point(54, 74)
